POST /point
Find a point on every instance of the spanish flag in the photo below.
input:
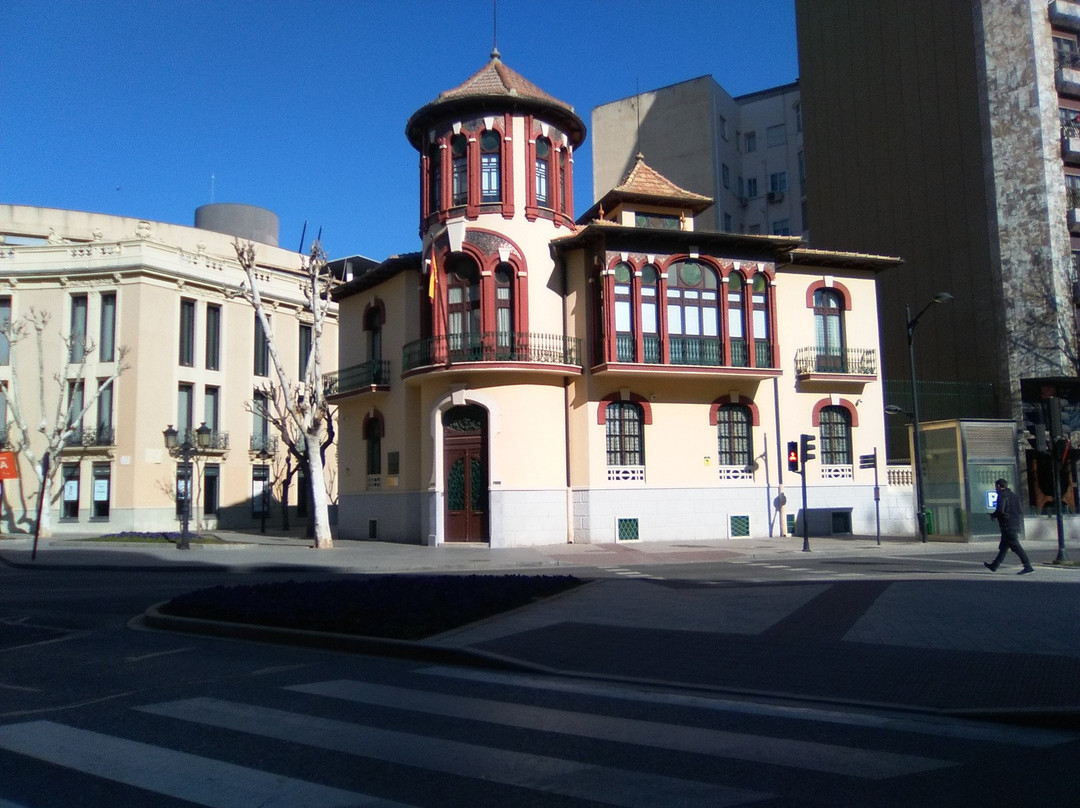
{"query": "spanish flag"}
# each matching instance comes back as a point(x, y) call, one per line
point(433, 270)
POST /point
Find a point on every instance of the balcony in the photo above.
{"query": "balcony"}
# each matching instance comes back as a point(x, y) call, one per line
point(503, 348)
point(694, 352)
point(89, 439)
point(366, 377)
point(1070, 143)
point(1065, 14)
point(819, 363)
point(263, 444)
point(1067, 73)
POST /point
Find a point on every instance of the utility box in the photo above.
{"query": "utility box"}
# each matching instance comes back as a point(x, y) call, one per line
point(961, 460)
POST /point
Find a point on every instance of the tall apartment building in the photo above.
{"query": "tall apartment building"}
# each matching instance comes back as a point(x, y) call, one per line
point(946, 131)
point(196, 355)
point(745, 152)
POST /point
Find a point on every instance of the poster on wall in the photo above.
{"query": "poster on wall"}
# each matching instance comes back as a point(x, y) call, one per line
point(71, 491)
point(101, 490)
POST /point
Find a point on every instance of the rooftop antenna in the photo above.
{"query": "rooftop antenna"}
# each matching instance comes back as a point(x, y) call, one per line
point(211, 187)
point(495, 26)
point(302, 234)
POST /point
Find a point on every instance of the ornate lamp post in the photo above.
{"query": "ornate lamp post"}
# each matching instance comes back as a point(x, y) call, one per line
point(192, 444)
point(920, 505)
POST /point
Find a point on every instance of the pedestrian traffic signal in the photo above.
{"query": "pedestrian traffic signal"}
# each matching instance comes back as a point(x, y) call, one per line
point(807, 448)
point(793, 455)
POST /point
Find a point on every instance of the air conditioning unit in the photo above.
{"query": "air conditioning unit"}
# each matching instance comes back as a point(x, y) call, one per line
point(775, 196)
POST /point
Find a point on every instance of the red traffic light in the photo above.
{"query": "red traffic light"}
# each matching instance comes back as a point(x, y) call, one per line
point(793, 455)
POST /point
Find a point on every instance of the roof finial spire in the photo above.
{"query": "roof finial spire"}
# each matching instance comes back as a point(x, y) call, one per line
point(494, 29)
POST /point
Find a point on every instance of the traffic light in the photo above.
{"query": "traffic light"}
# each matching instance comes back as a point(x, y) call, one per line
point(793, 455)
point(807, 448)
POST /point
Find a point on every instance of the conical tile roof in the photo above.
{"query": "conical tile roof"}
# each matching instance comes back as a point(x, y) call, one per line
point(496, 88)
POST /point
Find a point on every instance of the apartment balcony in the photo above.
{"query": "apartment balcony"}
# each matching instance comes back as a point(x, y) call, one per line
point(1067, 73)
point(691, 356)
point(367, 377)
point(851, 364)
point(1070, 144)
point(1065, 14)
point(493, 351)
point(266, 445)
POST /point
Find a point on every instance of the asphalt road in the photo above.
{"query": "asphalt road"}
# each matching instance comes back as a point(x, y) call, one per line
point(94, 712)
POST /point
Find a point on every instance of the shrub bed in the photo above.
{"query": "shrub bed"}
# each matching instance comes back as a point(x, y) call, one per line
point(405, 607)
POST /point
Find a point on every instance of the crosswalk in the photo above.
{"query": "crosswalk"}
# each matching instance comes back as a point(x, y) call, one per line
point(548, 740)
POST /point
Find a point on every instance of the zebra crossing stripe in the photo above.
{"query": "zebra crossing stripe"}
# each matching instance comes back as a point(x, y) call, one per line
point(819, 757)
point(570, 778)
point(200, 780)
point(937, 726)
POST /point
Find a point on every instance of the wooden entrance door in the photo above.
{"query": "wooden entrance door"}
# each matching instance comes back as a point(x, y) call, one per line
point(465, 473)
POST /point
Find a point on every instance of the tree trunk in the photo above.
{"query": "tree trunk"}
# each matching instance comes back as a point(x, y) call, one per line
point(320, 507)
point(44, 524)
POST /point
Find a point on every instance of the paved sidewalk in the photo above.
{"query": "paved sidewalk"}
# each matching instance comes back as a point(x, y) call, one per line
point(965, 640)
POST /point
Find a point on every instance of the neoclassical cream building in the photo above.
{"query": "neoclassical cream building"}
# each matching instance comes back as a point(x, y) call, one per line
point(168, 293)
point(525, 378)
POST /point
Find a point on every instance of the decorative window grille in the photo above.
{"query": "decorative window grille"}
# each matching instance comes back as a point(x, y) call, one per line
point(626, 474)
point(739, 526)
point(628, 530)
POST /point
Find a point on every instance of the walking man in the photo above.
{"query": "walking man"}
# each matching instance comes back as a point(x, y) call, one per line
point(1009, 515)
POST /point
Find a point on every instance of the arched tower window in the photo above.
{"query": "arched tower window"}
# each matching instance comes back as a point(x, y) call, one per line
point(693, 314)
point(459, 156)
point(543, 172)
point(504, 310)
point(563, 202)
point(490, 166)
point(434, 178)
point(463, 308)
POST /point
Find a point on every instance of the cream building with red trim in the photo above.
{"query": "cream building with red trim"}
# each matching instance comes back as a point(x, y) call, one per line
point(525, 378)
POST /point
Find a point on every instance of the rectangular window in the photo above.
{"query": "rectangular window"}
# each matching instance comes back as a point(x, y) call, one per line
point(260, 424)
point(213, 337)
point(104, 435)
point(3, 417)
point(77, 332)
point(107, 332)
point(75, 412)
point(721, 125)
point(778, 182)
point(306, 337)
point(781, 227)
point(750, 142)
point(185, 413)
point(183, 489)
point(262, 350)
point(5, 330)
point(69, 475)
point(725, 175)
point(102, 474)
point(776, 135)
point(187, 333)
point(751, 187)
point(727, 223)
point(541, 182)
point(460, 180)
point(211, 479)
point(212, 407)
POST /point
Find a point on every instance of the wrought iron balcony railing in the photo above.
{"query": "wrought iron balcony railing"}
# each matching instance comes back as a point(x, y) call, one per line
point(264, 443)
point(368, 374)
point(855, 361)
point(492, 347)
point(88, 437)
point(700, 351)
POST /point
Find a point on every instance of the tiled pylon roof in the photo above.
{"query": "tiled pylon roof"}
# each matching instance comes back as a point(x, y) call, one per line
point(496, 88)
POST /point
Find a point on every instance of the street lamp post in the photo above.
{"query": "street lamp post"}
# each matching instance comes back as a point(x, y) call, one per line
point(191, 444)
point(920, 504)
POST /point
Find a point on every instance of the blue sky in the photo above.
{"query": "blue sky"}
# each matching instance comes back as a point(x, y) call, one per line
point(150, 108)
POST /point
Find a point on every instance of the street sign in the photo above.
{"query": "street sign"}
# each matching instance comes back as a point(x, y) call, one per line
point(868, 461)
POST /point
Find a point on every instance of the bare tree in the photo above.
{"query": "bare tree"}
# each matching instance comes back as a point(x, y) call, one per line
point(299, 410)
point(60, 421)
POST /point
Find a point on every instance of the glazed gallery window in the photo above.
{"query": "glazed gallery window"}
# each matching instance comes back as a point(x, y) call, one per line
point(624, 434)
point(693, 316)
point(543, 171)
point(733, 437)
point(835, 425)
point(490, 166)
point(187, 333)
